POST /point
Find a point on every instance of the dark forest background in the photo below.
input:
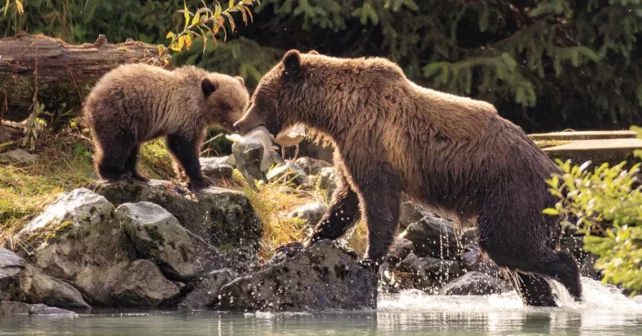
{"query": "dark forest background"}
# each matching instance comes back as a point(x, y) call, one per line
point(546, 65)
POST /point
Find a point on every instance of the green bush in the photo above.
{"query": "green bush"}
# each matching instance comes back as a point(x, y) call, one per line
point(606, 205)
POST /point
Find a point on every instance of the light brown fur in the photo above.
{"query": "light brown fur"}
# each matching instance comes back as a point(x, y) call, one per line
point(136, 103)
point(453, 154)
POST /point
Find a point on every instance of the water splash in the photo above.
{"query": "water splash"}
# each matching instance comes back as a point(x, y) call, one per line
point(597, 296)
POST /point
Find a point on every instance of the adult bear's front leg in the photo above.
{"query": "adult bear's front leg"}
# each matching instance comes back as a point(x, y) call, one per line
point(379, 188)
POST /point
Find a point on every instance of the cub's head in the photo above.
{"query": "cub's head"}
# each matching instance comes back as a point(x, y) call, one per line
point(226, 99)
point(271, 102)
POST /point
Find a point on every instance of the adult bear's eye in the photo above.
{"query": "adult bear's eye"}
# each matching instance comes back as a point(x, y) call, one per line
point(226, 106)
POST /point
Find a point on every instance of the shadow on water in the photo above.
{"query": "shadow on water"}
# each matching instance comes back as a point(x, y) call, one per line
point(605, 312)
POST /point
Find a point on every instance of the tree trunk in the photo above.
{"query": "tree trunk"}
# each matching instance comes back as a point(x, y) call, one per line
point(61, 73)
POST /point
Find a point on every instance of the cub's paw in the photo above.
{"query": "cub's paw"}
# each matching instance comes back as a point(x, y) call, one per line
point(199, 184)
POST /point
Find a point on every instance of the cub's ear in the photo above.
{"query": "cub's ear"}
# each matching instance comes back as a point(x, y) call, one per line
point(292, 62)
point(208, 86)
point(313, 52)
point(240, 79)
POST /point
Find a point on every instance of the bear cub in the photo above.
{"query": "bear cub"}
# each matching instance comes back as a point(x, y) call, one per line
point(136, 103)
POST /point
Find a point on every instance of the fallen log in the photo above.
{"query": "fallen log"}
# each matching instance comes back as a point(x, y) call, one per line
point(62, 74)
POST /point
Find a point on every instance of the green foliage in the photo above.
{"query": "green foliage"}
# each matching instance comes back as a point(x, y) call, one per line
point(607, 204)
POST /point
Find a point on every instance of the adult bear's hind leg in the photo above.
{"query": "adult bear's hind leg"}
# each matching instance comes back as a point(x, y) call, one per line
point(380, 190)
point(113, 151)
point(533, 289)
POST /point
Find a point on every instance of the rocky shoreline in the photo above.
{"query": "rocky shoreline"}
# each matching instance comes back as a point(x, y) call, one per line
point(154, 245)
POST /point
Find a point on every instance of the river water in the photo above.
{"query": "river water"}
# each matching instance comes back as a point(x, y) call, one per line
point(605, 312)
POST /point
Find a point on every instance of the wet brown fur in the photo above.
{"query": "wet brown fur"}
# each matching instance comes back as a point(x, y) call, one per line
point(453, 154)
point(136, 103)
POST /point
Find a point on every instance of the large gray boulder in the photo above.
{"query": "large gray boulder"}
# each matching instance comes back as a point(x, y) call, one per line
point(143, 285)
point(79, 240)
point(205, 290)
point(37, 287)
point(158, 236)
point(19, 308)
point(223, 227)
point(321, 277)
point(10, 264)
point(21, 281)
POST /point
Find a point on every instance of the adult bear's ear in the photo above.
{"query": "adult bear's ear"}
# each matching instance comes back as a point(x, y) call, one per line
point(292, 62)
point(240, 79)
point(208, 86)
point(313, 52)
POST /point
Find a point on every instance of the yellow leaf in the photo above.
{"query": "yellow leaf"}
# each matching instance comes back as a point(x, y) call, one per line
point(170, 35)
point(19, 7)
point(231, 4)
point(6, 7)
point(188, 41)
point(185, 14)
point(161, 49)
point(196, 19)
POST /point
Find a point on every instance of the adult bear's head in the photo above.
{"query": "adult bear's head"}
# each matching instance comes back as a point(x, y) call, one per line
point(274, 103)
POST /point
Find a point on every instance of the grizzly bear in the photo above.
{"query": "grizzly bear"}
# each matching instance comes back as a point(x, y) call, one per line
point(135, 103)
point(455, 155)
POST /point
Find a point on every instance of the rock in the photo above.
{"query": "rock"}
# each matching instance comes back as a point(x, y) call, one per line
point(475, 283)
point(216, 167)
point(18, 156)
point(19, 308)
point(79, 240)
point(410, 213)
point(207, 289)
point(143, 285)
point(433, 237)
point(10, 267)
point(312, 166)
point(158, 236)
point(399, 250)
point(290, 172)
point(222, 224)
point(326, 180)
point(318, 278)
point(10, 263)
point(426, 274)
point(474, 260)
point(231, 225)
point(311, 213)
point(38, 287)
